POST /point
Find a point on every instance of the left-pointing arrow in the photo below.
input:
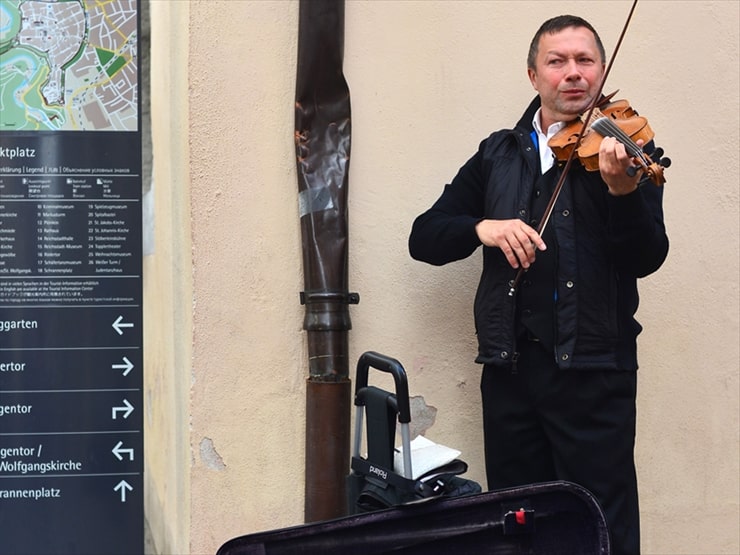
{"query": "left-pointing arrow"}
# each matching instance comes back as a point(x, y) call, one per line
point(119, 324)
point(123, 486)
point(126, 410)
point(118, 452)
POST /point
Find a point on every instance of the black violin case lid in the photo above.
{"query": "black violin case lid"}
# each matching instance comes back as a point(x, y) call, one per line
point(553, 518)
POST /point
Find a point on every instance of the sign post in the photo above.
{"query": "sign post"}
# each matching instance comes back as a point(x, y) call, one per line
point(71, 403)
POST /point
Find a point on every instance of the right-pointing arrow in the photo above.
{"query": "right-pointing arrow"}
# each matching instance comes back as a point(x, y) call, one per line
point(127, 410)
point(126, 366)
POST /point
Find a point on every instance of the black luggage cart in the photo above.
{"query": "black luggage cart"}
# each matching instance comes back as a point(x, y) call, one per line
point(373, 483)
point(554, 518)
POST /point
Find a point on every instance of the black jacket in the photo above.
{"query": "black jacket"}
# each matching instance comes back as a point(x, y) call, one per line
point(604, 243)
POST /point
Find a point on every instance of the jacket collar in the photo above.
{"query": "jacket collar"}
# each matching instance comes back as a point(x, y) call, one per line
point(526, 120)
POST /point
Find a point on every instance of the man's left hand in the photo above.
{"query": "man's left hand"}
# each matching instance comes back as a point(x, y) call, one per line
point(613, 164)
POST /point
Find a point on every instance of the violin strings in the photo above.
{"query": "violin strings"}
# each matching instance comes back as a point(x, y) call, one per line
point(606, 127)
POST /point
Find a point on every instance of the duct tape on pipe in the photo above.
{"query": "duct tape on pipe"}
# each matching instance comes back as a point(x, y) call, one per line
point(314, 199)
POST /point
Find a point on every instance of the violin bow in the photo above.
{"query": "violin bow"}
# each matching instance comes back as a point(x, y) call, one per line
point(569, 161)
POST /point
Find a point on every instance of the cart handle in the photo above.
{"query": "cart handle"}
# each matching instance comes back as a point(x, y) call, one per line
point(393, 367)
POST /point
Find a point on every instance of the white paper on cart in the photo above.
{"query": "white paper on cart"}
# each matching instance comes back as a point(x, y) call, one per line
point(425, 456)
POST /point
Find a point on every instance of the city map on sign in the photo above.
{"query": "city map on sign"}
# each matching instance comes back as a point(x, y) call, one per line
point(68, 65)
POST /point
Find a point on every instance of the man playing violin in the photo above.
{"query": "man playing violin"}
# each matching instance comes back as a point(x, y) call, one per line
point(558, 346)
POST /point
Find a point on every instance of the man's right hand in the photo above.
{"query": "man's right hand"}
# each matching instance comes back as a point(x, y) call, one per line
point(517, 240)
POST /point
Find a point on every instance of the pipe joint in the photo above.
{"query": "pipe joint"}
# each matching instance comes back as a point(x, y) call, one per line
point(328, 310)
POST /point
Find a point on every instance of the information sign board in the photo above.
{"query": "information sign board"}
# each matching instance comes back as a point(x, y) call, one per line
point(71, 403)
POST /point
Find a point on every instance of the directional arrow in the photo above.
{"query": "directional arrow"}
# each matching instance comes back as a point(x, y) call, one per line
point(119, 324)
point(117, 451)
point(126, 366)
point(127, 410)
point(123, 485)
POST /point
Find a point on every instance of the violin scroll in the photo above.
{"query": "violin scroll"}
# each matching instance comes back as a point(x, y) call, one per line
point(655, 170)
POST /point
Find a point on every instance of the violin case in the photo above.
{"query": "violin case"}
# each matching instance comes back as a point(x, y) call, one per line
point(553, 518)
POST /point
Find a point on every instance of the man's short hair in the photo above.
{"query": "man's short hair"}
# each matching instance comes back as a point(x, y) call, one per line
point(555, 25)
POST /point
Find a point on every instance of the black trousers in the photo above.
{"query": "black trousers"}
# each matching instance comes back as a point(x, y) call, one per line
point(542, 424)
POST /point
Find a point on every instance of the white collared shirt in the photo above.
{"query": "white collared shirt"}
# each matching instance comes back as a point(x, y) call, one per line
point(547, 158)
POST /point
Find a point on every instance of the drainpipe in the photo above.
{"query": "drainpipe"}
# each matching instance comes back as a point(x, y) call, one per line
point(322, 135)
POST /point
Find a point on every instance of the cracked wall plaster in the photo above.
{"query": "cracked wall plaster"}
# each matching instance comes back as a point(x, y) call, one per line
point(209, 456)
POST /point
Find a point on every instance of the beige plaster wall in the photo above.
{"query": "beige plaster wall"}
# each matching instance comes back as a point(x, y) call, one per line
point(226, 362)
point(168, 303)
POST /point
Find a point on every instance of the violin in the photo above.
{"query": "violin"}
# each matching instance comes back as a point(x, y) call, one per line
point(611, 119)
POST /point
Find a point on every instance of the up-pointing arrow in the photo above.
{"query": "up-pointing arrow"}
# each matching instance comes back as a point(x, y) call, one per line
point(126, 366)
point(123, 486)
point(119, 324)
point(127, 410)
point(117, 451)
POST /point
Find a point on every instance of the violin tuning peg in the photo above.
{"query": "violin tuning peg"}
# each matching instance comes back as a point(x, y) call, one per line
point(657, 153)
point(632, 171)
point(665, 162)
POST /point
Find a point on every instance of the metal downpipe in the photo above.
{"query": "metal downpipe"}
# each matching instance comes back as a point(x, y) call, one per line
point(322, 137)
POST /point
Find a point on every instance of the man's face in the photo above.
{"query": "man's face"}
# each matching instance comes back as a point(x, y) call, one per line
point(567, 73)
